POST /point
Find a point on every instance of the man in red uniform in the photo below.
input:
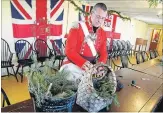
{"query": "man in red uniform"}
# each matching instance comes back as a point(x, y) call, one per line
point(86, 41)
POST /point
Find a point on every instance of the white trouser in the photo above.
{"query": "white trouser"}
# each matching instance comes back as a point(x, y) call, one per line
point(75, 73)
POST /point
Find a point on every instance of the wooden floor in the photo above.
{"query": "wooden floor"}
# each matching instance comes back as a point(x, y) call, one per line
point(17, 91)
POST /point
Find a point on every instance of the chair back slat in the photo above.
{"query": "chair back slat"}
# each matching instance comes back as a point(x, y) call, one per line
point(119, 44)
point(124, 45)
point(124, 48)
point(115, 47)
point(129, 46)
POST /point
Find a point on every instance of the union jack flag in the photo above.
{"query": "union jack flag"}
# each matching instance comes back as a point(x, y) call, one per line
point(36, 18)
point(87, 9)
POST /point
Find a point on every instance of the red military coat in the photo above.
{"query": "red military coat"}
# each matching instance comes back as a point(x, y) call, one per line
point(76, 47)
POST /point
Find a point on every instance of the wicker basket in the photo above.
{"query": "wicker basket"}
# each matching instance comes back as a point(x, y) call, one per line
point(87, 96)
point(56, 105)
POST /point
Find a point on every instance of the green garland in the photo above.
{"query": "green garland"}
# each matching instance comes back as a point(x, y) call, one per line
point(86, 13)
point(78, 8)
point(153, 3)
point(119, 14)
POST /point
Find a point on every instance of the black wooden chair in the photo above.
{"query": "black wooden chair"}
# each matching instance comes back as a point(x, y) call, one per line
point(156, 53)
point(138, 44)
point(114, 65)
point(58, 48)
point(24, 52)
point(4, 98)
point(6, 57)
point(120, 48)
point(124, 50)
point(129, 47)
point(114, 53)
point(42, 50)
point(139, 58)
point(125, 62)
point(152, 54)
point(145, 56)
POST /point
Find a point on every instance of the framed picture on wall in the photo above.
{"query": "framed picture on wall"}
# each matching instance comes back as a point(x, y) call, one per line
point(156, 35)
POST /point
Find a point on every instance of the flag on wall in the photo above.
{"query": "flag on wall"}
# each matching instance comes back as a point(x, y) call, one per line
point(87, 9)
point(36, 19)
point(28, 18)
point(110, 22)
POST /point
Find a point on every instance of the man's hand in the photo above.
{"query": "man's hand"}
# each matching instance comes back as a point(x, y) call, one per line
point(100, 71)
point(87, 66)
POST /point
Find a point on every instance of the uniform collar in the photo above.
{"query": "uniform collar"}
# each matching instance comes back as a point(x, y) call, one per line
point(90, 26)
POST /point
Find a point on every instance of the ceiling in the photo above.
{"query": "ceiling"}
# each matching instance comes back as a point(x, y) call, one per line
point(138, 9)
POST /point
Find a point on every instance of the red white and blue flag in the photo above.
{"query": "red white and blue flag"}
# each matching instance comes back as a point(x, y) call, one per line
point(36, 18)
point(86, 8)
point(26, 13)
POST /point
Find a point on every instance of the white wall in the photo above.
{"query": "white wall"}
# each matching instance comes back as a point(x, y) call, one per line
point(130, 30)
point(7, 32)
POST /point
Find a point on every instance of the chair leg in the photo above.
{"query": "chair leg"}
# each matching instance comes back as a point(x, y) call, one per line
point(15, 74)
point(22, 75)
point(17, 69)
point(41, 64)
point(59, 64)
point(8, 72)
point(3, 104)
point(53, 62)
point(5, 98)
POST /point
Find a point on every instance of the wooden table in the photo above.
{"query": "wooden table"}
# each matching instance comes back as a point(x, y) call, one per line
point(155, 70)
point(152, 67)
point(145, 65)
point(132, 99)
point(154, 100)
point(24, 106)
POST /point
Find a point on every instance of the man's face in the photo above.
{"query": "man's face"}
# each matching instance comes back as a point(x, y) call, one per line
point(98, 17)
